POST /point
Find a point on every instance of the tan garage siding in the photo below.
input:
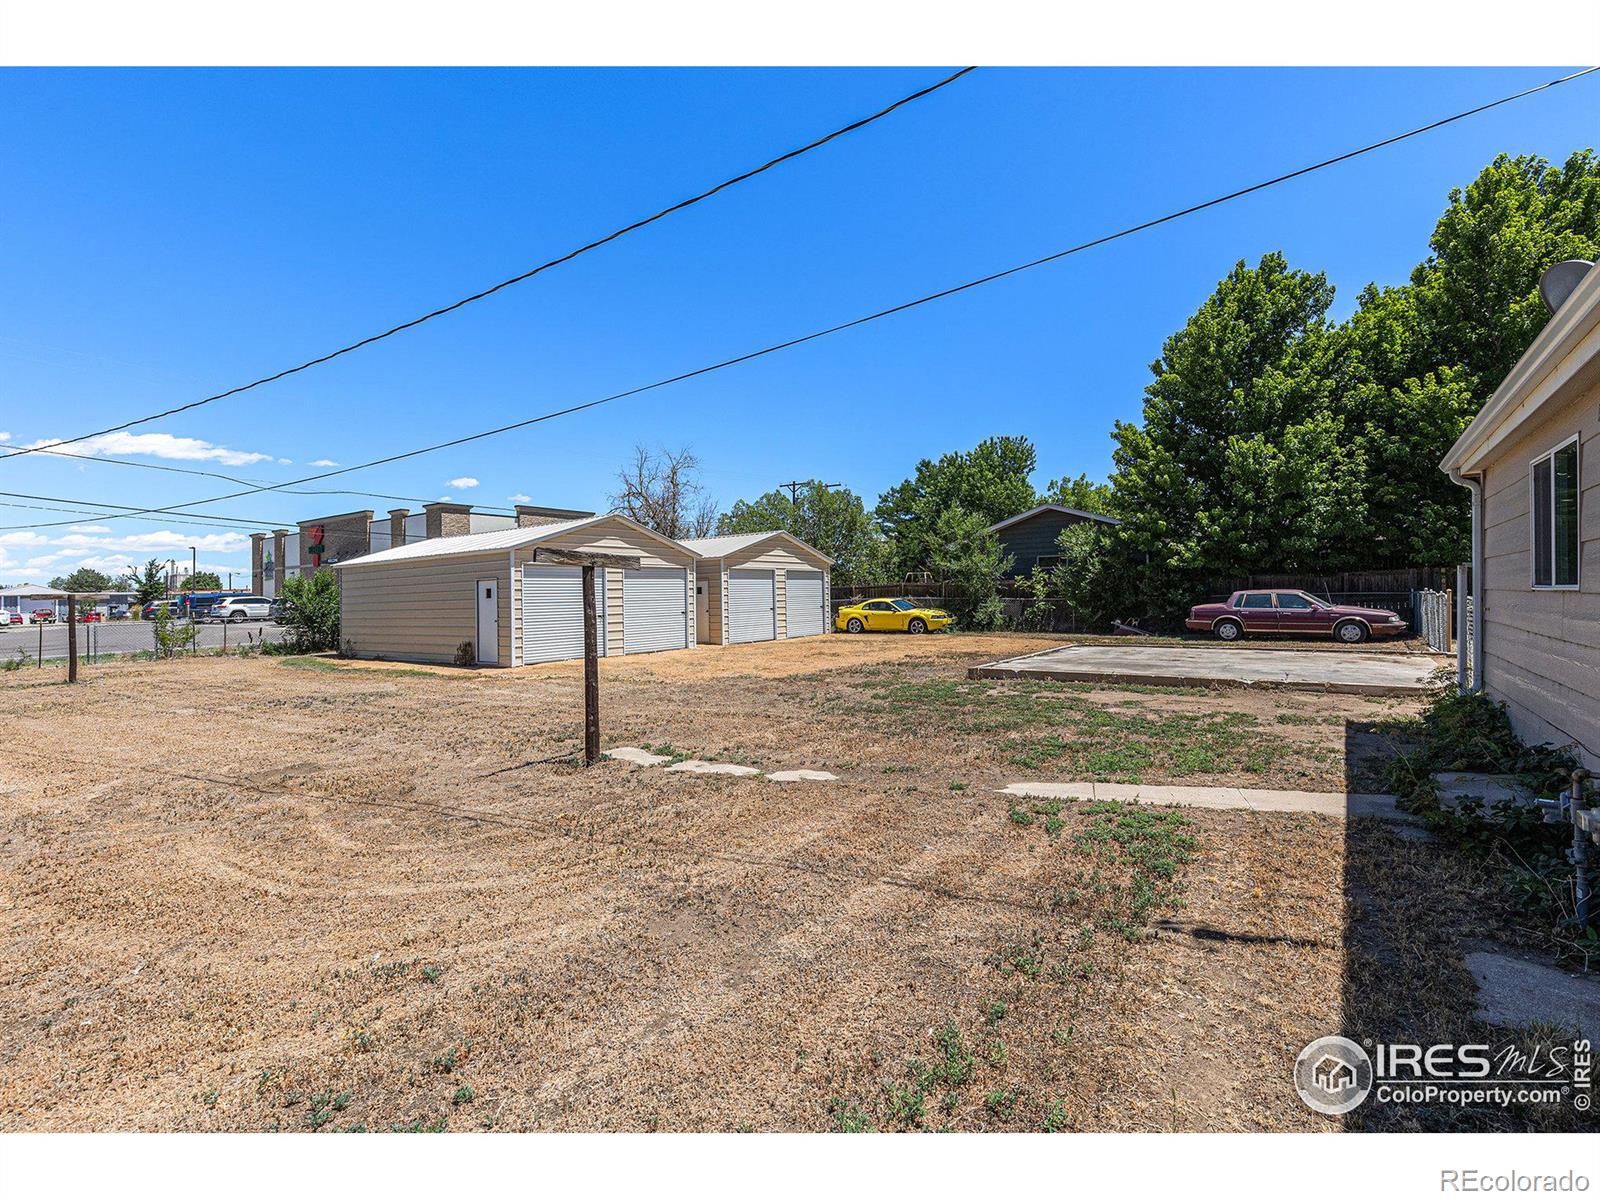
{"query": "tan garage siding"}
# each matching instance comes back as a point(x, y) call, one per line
point(710, 571)
point(614, 537)
point(419, 612)
point(777, 557)
point(1541, 645)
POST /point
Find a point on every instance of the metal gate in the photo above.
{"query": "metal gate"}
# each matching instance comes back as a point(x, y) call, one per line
point(752, 606)
point(655, 609)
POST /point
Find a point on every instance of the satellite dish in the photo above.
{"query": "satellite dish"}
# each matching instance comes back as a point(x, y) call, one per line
point(1561, 280)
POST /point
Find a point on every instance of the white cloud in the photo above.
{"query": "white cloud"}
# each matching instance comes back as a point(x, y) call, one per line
point(23, 537)
point(90, 529)
point(466, 481)
point(157, 539)
point(159, 445)
point(323, 462)
point(5, 437)
point(519, 498)
point(443, 500)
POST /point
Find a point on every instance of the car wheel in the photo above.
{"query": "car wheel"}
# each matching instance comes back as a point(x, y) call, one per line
point(1351, 633)
point(1229, 631)
point(854, 625)
point(237, 617)
point(916, 625)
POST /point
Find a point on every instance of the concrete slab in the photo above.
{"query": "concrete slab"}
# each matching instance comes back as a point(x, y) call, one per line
point(1456, 786)
point(696, 766)
point(1328, 804)
point(1514, 992)
point(803, 775)
point(1357, 672)
point(636, 756)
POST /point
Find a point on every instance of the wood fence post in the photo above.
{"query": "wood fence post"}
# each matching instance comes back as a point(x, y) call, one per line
point(72, 638)
point(591, 672)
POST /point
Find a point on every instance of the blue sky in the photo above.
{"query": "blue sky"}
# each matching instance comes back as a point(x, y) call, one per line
point(167, 234)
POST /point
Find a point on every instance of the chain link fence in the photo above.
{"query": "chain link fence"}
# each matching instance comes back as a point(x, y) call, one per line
point(34, 647)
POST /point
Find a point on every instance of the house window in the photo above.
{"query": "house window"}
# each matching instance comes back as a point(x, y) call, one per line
point(1554, 517)
point(1048, 562)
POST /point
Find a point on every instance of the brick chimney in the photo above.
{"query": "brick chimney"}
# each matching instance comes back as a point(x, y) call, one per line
point(529, 515)
point(448, 520)
point(397, 526)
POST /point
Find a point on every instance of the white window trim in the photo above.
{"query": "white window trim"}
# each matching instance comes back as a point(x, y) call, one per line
point(1533, 500)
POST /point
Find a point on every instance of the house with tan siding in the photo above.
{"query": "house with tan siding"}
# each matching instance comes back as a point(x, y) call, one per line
point(1529, 461)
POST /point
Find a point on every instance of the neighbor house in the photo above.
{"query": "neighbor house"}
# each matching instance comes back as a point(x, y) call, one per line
point(1528, 462)
point(488, 598)
point(1030, 537)
point(759, 587)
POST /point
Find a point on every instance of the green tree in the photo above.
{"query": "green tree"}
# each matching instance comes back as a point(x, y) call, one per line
point(205, 581)
point(84, 579)
point(967, 557)
point(311, 611)
point(989, 482)
point(834, 520)
point(1081, 493)
point(148, 583)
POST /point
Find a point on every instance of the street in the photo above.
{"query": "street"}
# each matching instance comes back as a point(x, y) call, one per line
point(96, 638)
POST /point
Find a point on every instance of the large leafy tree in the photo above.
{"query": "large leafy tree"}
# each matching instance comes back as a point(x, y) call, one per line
point(990, 482)
point(205, 581)
point(834, 520)
point(84, 579)
point(148, 583)
point(1081, 493)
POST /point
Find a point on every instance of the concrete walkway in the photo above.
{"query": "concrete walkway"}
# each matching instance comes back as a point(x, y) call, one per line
point(1358, 672)
point(1328, 804)
point(1515, 992)
point(699, 766)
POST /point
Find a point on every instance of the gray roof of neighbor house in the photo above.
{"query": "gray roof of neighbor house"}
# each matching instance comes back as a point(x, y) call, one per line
point(1060, 508)
point(478, 543)
point(30, 592)
point(732, 543)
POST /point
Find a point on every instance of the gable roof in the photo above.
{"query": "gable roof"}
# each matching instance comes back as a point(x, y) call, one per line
point(732, 543)
point(1567, 346)
point(494, 539)
point(1056, 508)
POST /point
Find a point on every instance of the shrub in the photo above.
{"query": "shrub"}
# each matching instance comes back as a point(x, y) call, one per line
point(311, 612)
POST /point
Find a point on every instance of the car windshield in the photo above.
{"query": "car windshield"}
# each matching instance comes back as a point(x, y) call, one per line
point(902, 605)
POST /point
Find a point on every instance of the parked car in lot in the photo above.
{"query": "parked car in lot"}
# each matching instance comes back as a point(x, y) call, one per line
point(240, 608)
point(148, 612)
point(275, 610)
point(43, 616)
point(1293, 612)
point(896, 615)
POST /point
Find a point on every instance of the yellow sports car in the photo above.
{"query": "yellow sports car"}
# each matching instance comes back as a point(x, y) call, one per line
point(900, 616)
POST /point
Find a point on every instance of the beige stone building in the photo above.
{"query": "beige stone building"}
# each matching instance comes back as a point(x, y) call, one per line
point(1529, 461)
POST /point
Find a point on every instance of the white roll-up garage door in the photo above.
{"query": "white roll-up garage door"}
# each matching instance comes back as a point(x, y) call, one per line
point(552, 612)
point(752, 606)
point(655, 609)
point(807, 614)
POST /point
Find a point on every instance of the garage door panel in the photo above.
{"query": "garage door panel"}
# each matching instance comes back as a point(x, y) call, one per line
point(552, 613)
point(655, 609)
point(805, 606)
point(752, 606)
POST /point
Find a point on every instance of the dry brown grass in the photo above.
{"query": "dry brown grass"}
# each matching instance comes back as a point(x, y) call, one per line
point(245, 894)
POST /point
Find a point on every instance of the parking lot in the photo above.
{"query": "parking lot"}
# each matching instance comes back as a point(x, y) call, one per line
point(313, 895)
point(99, 638)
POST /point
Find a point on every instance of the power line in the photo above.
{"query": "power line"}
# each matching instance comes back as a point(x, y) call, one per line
point(516, 279)
point(50, 451)
point(881, 313)
point(212, 518)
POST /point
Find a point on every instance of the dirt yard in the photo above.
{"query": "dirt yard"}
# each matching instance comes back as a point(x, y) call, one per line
point(259, 894)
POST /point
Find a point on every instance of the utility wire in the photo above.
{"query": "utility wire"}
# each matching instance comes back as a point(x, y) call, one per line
point(885, 312)
point(516, 279)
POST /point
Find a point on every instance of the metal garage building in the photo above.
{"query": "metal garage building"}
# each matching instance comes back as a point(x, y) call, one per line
point(425, 601)
point(756, 587)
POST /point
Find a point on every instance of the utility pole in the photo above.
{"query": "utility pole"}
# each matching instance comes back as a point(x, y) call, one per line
point(794, 486)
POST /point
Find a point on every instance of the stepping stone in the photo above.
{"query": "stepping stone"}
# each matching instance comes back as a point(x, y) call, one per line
point(1332, 804)
point(802, 775)
point(695, 766)
point(636, 756)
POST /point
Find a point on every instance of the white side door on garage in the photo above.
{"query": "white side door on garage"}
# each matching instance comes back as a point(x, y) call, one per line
point(752, 606)
point(806, 607)
point(655, 609)
point(552, 612)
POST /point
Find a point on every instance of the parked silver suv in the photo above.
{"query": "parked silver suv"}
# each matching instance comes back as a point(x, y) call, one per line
point(240, 608)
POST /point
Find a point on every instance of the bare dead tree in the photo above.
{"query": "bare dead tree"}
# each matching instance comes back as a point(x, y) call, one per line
point(661, 490)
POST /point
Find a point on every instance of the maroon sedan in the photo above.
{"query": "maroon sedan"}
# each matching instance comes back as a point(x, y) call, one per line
point(1298, 613)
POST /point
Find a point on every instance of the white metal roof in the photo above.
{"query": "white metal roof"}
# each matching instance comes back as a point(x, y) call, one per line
point(480, 543)
point(29, 591)
point(732, 543)
point(1060, 508)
